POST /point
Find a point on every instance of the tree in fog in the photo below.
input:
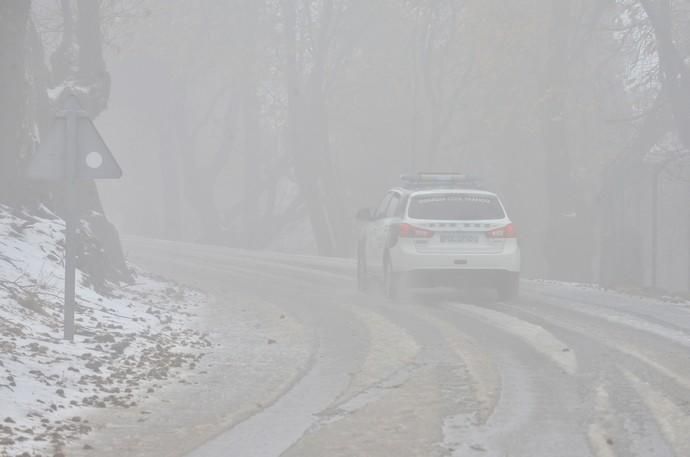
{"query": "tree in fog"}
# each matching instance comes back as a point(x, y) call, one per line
point(15, 126)
point(32, 83)
point(309, 29)
point(274, 120)
point(651, 167)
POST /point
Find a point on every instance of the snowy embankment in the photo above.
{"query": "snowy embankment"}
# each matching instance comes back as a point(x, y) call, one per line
point(130, 340)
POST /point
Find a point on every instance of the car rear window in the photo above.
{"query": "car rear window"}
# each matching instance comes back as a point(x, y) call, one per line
point(455, 207)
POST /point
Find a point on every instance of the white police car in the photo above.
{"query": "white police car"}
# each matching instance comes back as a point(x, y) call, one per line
point(439, 230)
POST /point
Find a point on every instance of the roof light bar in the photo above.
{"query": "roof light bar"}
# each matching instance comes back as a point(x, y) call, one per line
point(429, 179)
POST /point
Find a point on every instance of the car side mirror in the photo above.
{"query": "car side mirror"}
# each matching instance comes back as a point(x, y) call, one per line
point(364, 215)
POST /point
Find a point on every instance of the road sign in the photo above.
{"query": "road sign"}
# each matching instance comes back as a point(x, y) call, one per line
point(73, 150)
point(93, 157)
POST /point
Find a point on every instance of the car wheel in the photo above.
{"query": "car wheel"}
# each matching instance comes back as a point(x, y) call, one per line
point(509, 288)
point(391, 281)
point(362, 275)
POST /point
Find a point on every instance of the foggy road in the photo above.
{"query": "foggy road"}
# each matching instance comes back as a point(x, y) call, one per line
point(563, 371)
point(306, 161)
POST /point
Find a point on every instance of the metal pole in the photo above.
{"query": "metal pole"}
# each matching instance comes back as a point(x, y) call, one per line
point(655, 224)
point(70, 221)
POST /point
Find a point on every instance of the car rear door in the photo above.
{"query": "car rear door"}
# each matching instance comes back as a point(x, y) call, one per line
point(373, 234)
point(385, 222)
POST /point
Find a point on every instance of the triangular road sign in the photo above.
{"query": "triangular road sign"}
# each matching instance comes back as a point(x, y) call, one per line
point(94, 159)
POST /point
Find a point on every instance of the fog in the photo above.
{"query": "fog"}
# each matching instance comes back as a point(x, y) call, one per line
point(270, 131)
point(265, 125)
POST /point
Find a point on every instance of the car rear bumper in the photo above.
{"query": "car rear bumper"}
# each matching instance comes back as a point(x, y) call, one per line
point(406, 259)
point(455, 278)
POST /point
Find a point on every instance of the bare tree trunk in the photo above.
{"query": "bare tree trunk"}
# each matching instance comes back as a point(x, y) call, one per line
point(558, 166)
point(200, 185)
point(102, 254)
point(317, 107)
point(62, 60)
point(305, 163)
point(92, 71)
point(620, 256)
point(169, 162)
point(200, 179)
point(675, 74)
point(253, 178)
point(431, 92)
point(252, 156)
point(14, 125)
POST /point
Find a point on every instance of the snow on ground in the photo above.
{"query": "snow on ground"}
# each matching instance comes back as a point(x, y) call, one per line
point(622, 295)
point(129, 342)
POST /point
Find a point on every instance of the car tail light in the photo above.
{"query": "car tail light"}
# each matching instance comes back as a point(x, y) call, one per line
point(410, 231)
point(508, 231)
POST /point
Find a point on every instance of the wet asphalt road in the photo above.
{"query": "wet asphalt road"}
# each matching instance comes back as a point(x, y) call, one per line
point(562, 371)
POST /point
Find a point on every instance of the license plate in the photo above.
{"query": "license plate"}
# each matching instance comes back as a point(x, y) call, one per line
point(459, 238)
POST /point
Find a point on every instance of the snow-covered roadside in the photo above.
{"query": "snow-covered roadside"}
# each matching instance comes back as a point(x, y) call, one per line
point(131, 340)
point(636, 310)
point(588, 291)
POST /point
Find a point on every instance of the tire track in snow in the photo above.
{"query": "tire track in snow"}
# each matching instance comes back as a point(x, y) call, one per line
point(599, 431)
point(673, 420)
point(391, 349)
point(524, 402)
point(536, 336)
point(481, 368)
point(614, 341)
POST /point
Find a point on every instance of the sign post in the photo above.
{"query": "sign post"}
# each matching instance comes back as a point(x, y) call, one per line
point(70, 222)
point(72, 151)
